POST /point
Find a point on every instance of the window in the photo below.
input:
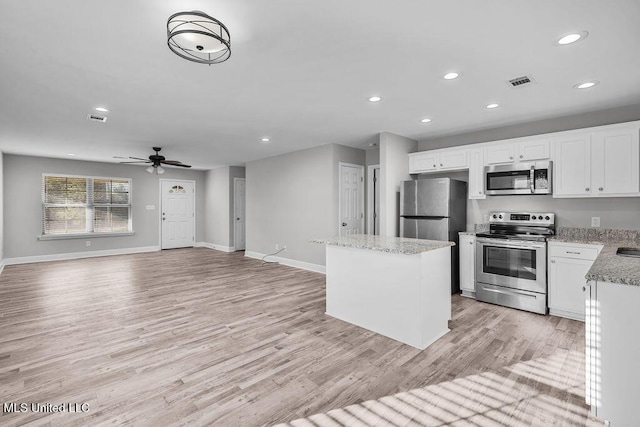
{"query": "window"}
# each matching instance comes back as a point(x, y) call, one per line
point(77, 205)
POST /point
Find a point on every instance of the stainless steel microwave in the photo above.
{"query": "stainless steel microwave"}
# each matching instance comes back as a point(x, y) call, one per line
point(518, 178)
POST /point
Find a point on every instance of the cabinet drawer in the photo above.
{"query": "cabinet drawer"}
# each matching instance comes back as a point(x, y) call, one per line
point(578, 252)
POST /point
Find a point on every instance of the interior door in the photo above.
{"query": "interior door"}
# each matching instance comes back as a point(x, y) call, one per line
point(178, 216)
point(376, 201)
point(351, 199)
point(238, 212)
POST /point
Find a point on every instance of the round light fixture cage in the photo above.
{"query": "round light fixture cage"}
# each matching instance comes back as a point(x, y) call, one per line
point(198, 37)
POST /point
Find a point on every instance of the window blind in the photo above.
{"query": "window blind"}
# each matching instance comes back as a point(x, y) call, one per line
point(84, 205)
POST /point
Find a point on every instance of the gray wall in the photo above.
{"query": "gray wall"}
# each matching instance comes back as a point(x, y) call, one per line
point(293, 198)
point(1, 208)
point(394, 168)
point(558, 124)
point(23, 216)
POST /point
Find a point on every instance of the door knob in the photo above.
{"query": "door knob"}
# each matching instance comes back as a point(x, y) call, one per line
point(344, 224)
point(238, 219)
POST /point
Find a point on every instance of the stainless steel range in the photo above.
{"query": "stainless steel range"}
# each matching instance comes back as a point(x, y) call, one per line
point(511, 260)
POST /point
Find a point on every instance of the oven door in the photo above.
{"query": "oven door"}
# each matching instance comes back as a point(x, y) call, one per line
point(514, 264)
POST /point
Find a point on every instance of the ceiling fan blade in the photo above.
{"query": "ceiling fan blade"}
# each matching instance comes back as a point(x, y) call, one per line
point(138, 158)
point(174, 163)
point(139, 161)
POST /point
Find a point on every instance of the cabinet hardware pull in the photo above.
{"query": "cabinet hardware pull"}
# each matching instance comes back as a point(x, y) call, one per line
point(571, 252)
point(510, 157)
point(553, 261)
point(521, 156)
point(586, 189)
point(441, 166)
point(600, 188)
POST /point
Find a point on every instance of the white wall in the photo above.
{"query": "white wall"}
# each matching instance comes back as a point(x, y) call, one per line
point(23, 212)
point(394, 168)
point(293, 198)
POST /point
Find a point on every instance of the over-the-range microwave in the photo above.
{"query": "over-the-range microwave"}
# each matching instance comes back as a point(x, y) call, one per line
point(518, 178)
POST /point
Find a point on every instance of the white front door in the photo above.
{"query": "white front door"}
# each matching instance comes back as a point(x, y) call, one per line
point(238, 212)
point(351, 199)
point(178, 217)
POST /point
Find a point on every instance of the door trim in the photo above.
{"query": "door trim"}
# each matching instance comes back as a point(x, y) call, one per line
point(370, 197)
point(353, 165)
point(195, 215)
point(235, 182)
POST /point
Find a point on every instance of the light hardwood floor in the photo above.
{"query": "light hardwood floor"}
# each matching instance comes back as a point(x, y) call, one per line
point(200, 337)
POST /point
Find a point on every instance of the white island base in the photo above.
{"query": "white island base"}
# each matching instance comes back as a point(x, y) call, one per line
point(406, 297)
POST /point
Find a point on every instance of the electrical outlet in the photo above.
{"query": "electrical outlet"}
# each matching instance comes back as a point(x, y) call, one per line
point(595, 221)
point(277, 246)
point(486, 219)
point(88, 243)
point(284, 248)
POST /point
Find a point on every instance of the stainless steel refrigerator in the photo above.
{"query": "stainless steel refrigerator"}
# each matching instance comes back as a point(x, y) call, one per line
point(435, 209)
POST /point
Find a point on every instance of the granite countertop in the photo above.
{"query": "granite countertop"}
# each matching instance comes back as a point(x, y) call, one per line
point(394, 245)
point(608, 267)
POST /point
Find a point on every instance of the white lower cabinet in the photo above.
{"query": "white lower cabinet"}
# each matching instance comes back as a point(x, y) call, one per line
point(567, 268)
point(612, 352)
point(467, 265)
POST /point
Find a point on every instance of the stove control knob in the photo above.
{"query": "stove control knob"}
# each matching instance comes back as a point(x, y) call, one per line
point(534, 217)
point(495, 216)
point(547, 217)
point(500, 216)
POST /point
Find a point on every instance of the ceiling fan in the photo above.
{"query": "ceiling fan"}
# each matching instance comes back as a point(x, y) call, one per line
point(156, 160)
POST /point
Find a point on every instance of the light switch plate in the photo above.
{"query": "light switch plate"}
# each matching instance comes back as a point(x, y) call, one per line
point(595, 221)
point(151, 207)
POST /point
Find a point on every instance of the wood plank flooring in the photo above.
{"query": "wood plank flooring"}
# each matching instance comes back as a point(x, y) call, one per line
point(200, 337)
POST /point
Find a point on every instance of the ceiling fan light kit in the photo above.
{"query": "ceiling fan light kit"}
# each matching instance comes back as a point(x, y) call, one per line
point(198, 37)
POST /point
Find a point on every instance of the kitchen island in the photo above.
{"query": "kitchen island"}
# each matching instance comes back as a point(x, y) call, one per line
point(398, 287)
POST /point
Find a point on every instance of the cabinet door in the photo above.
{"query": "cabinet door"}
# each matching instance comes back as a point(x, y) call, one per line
point(467, 265)
point(615, 162)
point(453, 159)
point(504, 153)
point(566, 279)
point(572, 166)
point(476, 174)
point(423, 162)
point(534, 149)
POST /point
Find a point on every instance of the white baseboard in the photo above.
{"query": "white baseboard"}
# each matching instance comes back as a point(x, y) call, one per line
point(1, 266)
point(289, 262)
point(215, 246)
point(78, 255)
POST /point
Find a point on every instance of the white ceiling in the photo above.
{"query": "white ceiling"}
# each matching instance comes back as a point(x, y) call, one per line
point(300, 73)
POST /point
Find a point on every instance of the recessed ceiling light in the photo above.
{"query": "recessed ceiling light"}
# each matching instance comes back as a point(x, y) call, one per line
point(492, 106)
point(586, 85)
point(451, 76)
point(425, 120)
point(265, 140)
point(571, 38)
point(375, 99)
point(102, 109)
point(70, 154)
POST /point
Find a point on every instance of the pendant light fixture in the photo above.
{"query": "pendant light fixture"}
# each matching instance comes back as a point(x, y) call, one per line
point(198, 37)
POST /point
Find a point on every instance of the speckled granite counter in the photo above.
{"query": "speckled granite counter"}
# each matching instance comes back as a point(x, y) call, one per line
point(608, 267)
point(395, 245)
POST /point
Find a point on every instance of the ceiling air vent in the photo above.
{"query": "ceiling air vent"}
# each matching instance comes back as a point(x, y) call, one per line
point(96, 118)
point(521, 81)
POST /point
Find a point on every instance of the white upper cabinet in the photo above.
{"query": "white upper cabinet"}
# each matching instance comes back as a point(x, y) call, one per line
point(476, 174)
point(572, 166)
point(503, 153)
point(615, 162)
point(432, 161)
point(453, 159)
point(598, 164)
point(424, 161)
point(533, 149)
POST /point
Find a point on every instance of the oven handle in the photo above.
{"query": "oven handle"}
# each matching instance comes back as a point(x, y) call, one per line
point(531, 179)
point(506, 243)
